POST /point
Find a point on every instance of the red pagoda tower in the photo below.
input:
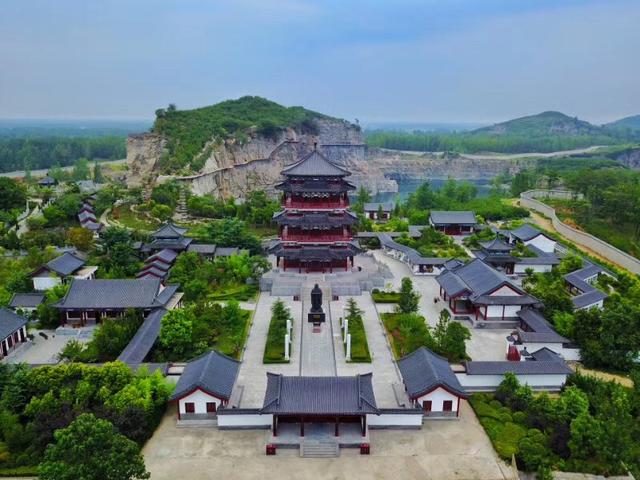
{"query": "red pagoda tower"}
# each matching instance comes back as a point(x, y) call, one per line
point(315, 225)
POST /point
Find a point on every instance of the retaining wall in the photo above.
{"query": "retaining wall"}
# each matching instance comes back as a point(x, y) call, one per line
point(611, 253)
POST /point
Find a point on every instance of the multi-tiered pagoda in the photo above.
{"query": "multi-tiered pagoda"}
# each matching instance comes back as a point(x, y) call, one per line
point(315, 225)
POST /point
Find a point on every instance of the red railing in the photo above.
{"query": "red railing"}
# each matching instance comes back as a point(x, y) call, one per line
point(311, 204)
point(315, 238)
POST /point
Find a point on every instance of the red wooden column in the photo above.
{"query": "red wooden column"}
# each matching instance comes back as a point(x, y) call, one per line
point(364, 425)
point(275, 425)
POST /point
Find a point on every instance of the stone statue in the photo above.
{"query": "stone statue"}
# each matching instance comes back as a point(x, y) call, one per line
point(316, 315)
point(316, 299)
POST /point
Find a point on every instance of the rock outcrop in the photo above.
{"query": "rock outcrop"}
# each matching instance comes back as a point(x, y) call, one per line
point(630, 158)
point(231, 169)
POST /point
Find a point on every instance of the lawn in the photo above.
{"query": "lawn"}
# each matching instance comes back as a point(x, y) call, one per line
point(240, 292)
point(359, 345)
point(274, 347)
point(385, 297)
point(133, 220)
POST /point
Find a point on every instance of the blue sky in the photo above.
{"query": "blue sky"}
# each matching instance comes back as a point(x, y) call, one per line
point(404, 60)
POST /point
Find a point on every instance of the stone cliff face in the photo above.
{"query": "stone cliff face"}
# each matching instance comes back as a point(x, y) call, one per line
point(630, 158)
point(232, 169)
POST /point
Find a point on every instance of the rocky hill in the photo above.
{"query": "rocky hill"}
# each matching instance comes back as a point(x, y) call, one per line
point(227, 156)
point(542, 124)
point(632, 122)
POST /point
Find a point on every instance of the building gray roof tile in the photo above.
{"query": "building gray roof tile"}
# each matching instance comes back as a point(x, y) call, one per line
point(26, 300)
point(373, 206)
point(423, 371)
point(142, 342)
point(526, 232)
point(65, 264)
point(10, 322)
point(202, 248)
point(167, 256)
point(526, 367)
point(107, 294)
point(169, 230)
point(319, 395)
point(212, 372)
point(441, 217)
point(315, 164)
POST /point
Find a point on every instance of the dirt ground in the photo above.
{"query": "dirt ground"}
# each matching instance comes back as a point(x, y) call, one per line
point(442, 450)
point(606, 376)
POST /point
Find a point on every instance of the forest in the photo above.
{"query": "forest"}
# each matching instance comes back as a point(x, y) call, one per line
point(467, 143)
point(41, 153)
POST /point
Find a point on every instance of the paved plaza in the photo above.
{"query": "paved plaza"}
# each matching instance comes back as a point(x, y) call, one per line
point(45, 351)
point(451, 450)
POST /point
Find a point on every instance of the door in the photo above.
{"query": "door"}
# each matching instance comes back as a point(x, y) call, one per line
point(447, 405)
point(211, 407)
point(426, 406)
point(189, 407)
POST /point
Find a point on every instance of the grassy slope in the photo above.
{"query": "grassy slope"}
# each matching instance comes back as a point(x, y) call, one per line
point(187, 131)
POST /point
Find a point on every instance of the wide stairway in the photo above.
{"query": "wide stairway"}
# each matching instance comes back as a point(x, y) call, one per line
point(319, 449)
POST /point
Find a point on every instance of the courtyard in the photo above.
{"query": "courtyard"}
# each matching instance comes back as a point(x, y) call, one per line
point(441, 450)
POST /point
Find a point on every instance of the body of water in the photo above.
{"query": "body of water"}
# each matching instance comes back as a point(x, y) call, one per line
point(406, 187)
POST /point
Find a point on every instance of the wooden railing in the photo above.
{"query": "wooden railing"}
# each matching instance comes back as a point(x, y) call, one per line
point(306, 204)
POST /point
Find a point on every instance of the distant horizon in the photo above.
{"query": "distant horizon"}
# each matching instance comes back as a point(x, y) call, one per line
point(424, 61)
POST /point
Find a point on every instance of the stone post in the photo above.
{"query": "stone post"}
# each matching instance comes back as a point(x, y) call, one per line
point(348, 347)
point(346, 329)
point(287, 345)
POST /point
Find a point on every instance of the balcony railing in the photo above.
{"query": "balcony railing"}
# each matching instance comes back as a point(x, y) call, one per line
point(316, 238)
point(311, 204)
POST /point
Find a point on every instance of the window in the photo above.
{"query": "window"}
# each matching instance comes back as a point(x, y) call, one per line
point(189, 407)
point(447, 405)
point(426, 405)
point(211, 407)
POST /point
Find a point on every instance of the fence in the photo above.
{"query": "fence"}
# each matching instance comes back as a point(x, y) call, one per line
point(529, 200)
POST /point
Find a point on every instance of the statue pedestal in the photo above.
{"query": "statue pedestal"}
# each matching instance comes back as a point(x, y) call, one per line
point(316, 317)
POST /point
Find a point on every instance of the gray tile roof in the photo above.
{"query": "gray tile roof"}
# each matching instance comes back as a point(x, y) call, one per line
point(319, 395)
point(526, 232)
point(411, 255)
point(212, 372)
point(315, 218)
point(524, 299)
point(452, 284)
point(142, 342)
point(106, 294)
point(26, 300)
point(423, 371)
point(152, 271)
point(93, 226)
point(314, 252)
point(178, 244)
point(167, 256)
point(373, 206)
point(496, 245)
point(66, 264)
point(538, 329)
point(86, 216)
point(202, 248)
point(588, 298)
point(169, 230)
point(157, 264)
point(10, 322)
point(315, 164)
point(527, 367)
point(47, 181)
point(165, 295)
point(545, 355)
point(440, 217)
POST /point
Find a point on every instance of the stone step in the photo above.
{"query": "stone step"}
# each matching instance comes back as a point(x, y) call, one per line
point(319, 449)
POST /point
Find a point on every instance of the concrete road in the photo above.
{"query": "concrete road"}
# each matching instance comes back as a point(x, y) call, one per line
point(442, 450)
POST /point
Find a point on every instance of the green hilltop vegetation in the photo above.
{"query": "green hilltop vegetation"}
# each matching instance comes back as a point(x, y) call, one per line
point(632, 123)
point(544, 132)
point(188, 131)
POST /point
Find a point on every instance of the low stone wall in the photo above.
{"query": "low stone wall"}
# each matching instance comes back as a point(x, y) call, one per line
point(529, 200)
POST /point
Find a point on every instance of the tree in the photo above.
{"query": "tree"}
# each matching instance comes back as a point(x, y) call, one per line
point(409, 299)
point(81, 170)
point(450, 338)
point(162, 212)
point(81, 238)
point(97, 173)
point(176, 332)
point(92, 449)
point(12, 194)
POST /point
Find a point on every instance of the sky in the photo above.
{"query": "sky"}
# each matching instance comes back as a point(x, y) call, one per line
point(402, 60)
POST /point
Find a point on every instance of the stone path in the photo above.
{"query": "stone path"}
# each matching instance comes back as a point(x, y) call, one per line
point(252, 377)
point(318, 358)
point(382, 363)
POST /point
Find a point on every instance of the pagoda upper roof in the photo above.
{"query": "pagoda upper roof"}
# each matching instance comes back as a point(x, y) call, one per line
point(315, 164)
point(315, 218)
point(316, 252)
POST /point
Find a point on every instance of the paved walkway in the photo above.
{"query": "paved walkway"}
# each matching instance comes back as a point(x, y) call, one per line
point(252, 377)
point(382, 364)
point(317, 342)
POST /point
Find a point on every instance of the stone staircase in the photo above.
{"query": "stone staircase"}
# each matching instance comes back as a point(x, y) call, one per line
point(181, 209)
point(319, 449)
